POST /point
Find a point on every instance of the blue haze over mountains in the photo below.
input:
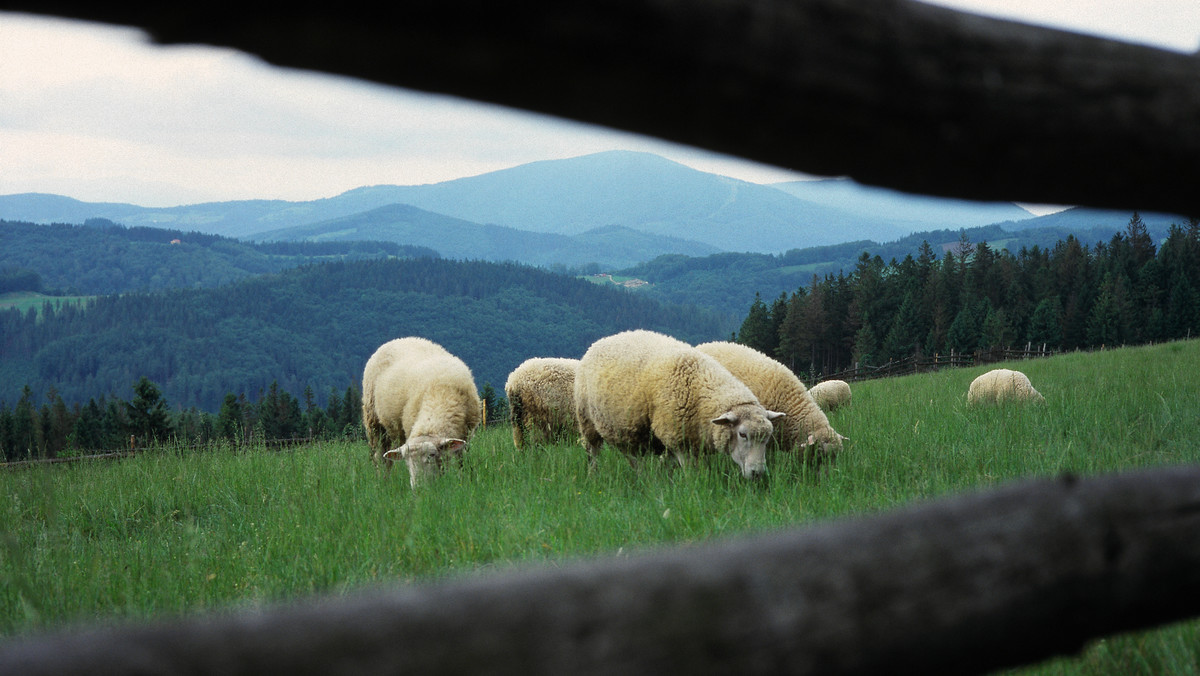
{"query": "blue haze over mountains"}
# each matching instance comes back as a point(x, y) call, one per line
point(615, 208)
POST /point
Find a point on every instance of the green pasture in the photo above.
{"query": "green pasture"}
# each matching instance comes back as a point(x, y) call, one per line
point(23, 300)
point(170, 532)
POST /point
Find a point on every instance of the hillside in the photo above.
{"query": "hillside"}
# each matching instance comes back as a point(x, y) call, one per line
point(103, 258)
point(902, 211)
point(728, 282)
point(609, 247)
point(316, 325)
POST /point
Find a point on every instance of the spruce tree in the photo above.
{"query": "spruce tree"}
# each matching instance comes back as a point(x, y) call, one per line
point(149, 417)
point(757, 328)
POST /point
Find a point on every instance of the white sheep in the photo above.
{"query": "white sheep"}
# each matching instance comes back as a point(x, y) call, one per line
point(419, 404)
point(541, 396)
point(1002, 385)
point(805, 428)
point(831, 395)
point(644, 392)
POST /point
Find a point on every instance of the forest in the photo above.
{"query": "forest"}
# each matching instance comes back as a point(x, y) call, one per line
point(102, 257)
point(311, 329)
point(727, 282)
point(1125, 291)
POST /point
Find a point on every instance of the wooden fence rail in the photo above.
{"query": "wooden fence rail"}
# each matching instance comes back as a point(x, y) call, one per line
point(965, 584)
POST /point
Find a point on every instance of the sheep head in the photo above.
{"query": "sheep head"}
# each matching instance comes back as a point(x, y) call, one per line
point(743, 433)
point(426, 456)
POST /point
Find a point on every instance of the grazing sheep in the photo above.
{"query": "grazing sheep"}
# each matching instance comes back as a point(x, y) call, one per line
point(541, 396)
point(644, 392)
point(1002, 385)
point(805, 428)
point(420, 402)
point(831, 394)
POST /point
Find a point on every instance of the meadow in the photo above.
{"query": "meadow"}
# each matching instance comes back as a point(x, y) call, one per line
point(170, 532)
point(24, 300)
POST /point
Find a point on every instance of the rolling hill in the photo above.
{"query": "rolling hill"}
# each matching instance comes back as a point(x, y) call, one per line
point(611, 246)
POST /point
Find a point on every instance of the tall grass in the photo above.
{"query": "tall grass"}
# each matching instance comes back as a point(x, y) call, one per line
point(173, 533)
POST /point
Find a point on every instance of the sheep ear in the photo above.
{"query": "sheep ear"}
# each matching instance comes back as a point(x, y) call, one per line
point(811, 440)
point(397, 453)
point(775, 415)
point(726, 420)
point(451, 445)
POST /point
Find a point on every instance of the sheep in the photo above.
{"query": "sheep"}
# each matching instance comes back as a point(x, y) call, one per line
point(541, 396)
point(805, 428)
point(831, 395)
point(645, 392)
point(1002, 385)
point(419, 404)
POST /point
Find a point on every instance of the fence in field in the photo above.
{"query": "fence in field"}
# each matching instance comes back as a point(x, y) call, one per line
point(893, 93)
point(923, 364)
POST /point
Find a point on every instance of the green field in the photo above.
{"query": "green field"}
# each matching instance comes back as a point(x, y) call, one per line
point(23, 300)
point(169, 532)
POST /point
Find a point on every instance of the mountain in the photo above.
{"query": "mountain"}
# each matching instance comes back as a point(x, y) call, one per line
point(904, 211)
point(639, 191)
point(1079, 219)
point(643, 204)
point(611, 246)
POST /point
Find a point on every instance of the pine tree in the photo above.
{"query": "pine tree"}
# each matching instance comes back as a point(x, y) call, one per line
point(866, 345)
point(1045, 326)
point(965, 330)
point(230, 421)
point(7, 434)
point(758, 329)
point(25, 427)
point(149, 417)
point(903, 339)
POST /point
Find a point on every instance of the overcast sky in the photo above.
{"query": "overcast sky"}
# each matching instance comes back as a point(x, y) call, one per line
point(97, 113)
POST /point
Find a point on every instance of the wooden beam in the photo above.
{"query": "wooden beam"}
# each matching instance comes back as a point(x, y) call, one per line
point(889, 92)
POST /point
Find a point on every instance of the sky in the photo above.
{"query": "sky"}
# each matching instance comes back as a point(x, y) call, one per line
point(99, 113)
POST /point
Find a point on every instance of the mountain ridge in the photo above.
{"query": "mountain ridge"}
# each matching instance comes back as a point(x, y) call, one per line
point(676, 209)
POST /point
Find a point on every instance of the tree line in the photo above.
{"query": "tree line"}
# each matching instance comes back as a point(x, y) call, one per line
point(1127, 290)
point(55, 429)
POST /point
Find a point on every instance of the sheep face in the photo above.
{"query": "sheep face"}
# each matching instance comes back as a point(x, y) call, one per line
point(743, 433)
point(426, 456)
point(819, 450)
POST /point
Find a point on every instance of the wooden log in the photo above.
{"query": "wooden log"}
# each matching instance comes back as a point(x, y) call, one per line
point(889, 92)
point(966, 584)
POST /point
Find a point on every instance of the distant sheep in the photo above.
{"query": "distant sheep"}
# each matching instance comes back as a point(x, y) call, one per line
point(1002, 385)
point(644, 392)
point(831, 395)
point(419, 404)
point(541, 396)
point(806, 427)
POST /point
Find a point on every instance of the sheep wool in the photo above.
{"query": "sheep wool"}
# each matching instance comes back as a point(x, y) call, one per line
point(831, 395)
point(541, 396)
point(419, 404)
point(647, 393)
point(1002, 385)
point(805, 428)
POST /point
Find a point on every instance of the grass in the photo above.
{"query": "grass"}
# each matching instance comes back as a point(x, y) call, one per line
point(172, 533)
point(23, 300)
